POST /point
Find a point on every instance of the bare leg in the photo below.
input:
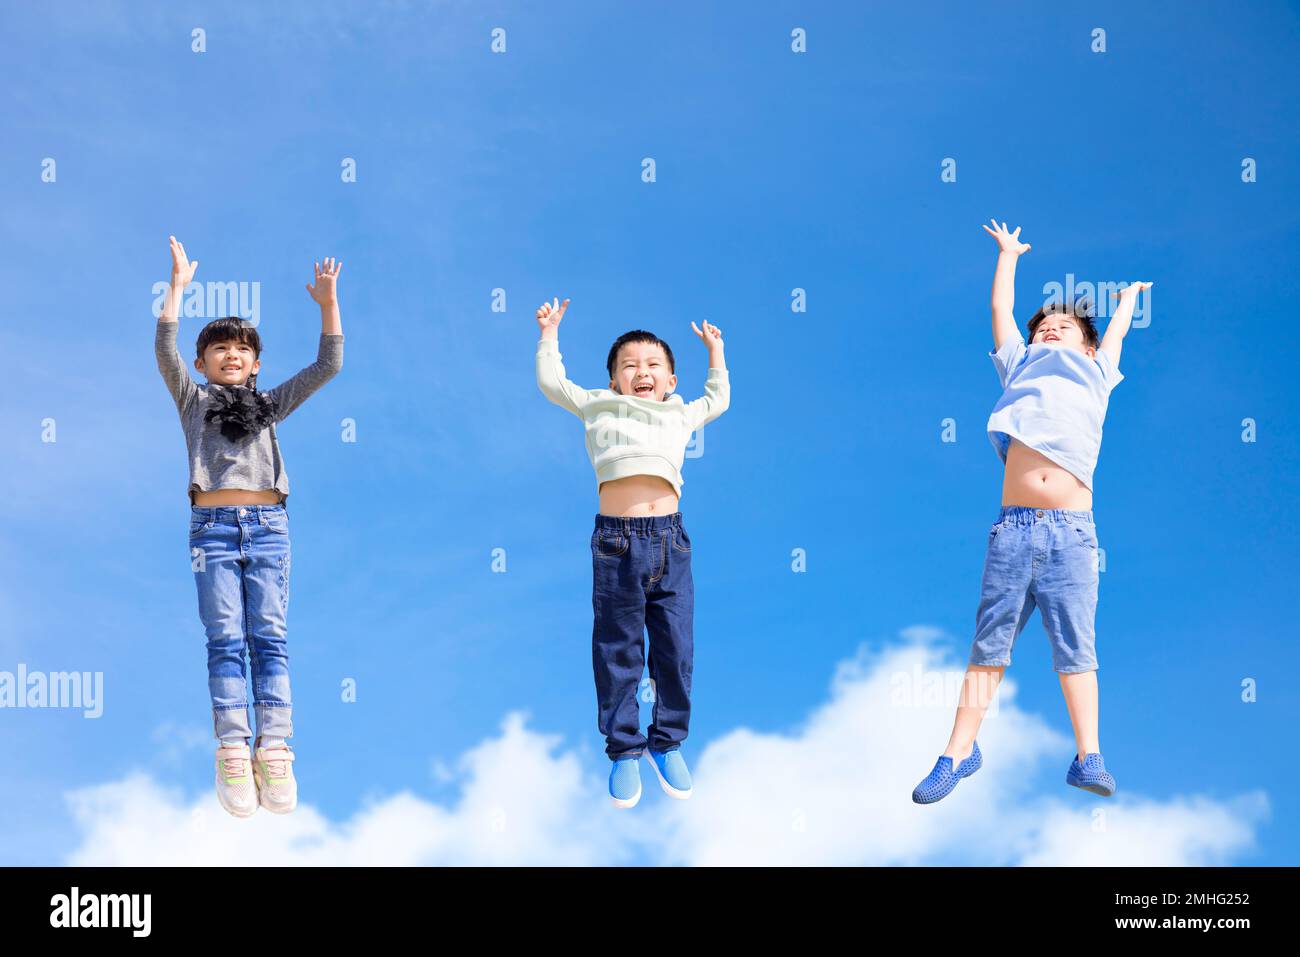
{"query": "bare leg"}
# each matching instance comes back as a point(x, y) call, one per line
point(1080, 692)
point(977, 691)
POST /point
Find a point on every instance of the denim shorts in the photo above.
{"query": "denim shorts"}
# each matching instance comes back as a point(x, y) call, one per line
point(1044, 558)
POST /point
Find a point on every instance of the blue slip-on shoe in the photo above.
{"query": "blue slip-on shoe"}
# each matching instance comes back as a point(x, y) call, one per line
point(1091, 775)
point(673, 773)
point(625, 782)
point(943, 779)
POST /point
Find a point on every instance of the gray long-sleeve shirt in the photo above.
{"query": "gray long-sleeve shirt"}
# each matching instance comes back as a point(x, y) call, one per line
point(253, 462)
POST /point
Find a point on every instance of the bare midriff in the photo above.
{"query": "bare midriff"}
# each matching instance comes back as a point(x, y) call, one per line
point(237, 496)
point(1035, 481)
point(637, 495)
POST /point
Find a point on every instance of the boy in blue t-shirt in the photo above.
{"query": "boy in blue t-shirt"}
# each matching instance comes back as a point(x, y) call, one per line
point(1042, 551)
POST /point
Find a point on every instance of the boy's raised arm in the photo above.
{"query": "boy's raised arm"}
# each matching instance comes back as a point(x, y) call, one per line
point(550, 370)
point(717, 387)
point(293, 392)
point(1010, 249)
point(1113, 341)
point(170, 364)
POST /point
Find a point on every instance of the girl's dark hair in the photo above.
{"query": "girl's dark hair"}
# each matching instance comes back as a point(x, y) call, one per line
point(1080, 312)
point(638, 335)
point(231, 327)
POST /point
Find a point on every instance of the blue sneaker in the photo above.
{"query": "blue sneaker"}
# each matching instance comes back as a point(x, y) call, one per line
point(943, 779)
point(625, 782)
point(1091, 775)
point(672, 771)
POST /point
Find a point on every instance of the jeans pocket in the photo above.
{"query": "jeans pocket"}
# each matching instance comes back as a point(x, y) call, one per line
point(681, 541)
point(608, 543)
point(278, 523)
point(1085, 535)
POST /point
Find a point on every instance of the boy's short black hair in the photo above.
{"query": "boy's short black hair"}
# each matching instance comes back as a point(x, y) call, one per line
point(230, 327)
point(1080, 312)
point(638, 335)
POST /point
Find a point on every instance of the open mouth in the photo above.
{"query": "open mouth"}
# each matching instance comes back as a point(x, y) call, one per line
point(230, 368)
point(645, 390)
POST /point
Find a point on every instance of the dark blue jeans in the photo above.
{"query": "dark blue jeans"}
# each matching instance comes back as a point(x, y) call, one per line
point(641, 581)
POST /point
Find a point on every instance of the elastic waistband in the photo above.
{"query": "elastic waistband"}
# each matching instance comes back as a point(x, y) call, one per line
point(233, 513)
point(632, 524)
point(1023, 515)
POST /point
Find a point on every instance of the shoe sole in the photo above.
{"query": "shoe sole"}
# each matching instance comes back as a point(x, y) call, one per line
point(1097, 789)
point(668, 788)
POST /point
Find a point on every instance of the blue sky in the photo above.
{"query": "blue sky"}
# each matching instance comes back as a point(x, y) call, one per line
point(521, 171)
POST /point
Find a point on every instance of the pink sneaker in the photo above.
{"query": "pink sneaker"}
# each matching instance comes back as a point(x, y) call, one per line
point(273, 772)
point(236, 791)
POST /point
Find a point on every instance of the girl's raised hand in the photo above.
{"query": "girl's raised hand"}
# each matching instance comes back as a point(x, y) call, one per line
point(182, 268)
point(711, 335)
point(1008, 241)
point(324, 290)
point(550, 314)
point(1132, 289)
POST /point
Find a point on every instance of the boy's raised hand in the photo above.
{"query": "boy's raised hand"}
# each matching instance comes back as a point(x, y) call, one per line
point(325, 290)
point(550, 314)
point(182, 268)
point(1121, 318)
point(1008, 241)
point(710, 335)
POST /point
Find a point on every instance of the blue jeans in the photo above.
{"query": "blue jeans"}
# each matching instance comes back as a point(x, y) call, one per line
point(641, 581)
point(240, 557)
point(1046, 558)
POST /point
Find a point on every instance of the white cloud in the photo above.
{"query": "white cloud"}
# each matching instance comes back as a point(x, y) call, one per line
point(520, 804)
point(1192, 831)
point(836, 790)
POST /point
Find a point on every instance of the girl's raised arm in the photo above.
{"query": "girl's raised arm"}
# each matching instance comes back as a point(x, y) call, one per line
point(293, 392)
point(170, 364)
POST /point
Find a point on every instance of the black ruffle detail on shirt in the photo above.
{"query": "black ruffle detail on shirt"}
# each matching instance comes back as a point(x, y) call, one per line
point(241, 411)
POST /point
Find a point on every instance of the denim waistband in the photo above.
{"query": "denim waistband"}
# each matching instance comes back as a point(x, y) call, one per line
point(231, 513)
point(1024, 515)
point(639, 524)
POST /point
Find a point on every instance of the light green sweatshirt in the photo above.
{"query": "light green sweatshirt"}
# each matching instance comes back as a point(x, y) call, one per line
point(628, 435)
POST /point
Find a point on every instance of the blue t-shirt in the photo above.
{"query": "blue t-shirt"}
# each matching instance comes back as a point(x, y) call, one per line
point(1054, 401)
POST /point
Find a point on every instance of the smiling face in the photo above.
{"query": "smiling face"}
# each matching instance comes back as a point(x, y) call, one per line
point(642, 369)
point(228, 362)
point(1059, 331)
